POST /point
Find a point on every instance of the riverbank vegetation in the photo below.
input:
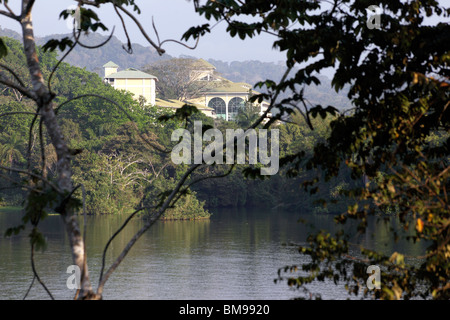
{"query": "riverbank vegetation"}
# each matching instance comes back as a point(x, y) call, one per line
point(395, 141)
point(117, 162)
point(71, 142)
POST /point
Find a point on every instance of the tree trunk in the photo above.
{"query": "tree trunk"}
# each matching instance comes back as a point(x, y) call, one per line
point(64, 174)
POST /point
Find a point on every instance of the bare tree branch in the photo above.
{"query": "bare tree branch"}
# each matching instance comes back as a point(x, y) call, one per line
point(29, 288)
point(18, 87)
point(13, 73)
point(20, 184)
point(49, 82)
point(98, 45)
point(31, 140)
point(129, 49)
point(149, 223)
point(34, 175)
point(43, 159)
point(33, 267)
point(112, 238)
point(77, 41)
point(9, 15)
point(141, 28)
point(18, 112)
point(8, 8)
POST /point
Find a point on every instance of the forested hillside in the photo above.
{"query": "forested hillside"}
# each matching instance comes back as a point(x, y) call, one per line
point(94, 59)
point(105, 134)
point(116, 167)
point(237, 71)
point(69, 141)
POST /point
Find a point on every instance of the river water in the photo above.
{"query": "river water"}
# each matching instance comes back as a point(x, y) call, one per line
point(233, 256)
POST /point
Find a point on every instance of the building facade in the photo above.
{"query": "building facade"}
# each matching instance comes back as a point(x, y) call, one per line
point(221, 98)
point(140, 84)
point(226, 100)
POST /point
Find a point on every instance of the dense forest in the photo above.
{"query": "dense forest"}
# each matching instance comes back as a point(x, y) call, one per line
point(250, 72)
point(69, 141)
point(94, 59)
point(116, 168)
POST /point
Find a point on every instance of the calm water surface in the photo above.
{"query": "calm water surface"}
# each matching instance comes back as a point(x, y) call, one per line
point(234, 255)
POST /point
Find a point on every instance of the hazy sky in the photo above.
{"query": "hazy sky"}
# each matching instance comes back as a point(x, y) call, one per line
point(172, 18)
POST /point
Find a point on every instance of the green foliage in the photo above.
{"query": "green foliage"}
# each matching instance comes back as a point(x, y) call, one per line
point(10, 149)
point(247, 115)
point(111, 142)
point(390, 152)
point(187, 207)
point(183, 113)
point(398, 83)
point(36, 208)
point(3, 48)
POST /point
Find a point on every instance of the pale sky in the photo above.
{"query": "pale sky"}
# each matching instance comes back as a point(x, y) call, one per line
point(172, 18)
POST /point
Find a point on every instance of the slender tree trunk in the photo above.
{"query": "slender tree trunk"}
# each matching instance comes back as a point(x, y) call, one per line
point(64, 174)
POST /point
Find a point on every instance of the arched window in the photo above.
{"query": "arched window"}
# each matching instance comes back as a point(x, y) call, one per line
point(219, 106)
point(233, 106)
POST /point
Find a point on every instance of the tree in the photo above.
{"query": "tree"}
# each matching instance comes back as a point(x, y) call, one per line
point(386, 139)
point(10, 149)
point(247, 114)
point(175, 79)
point(59, 192)
point(398, 75)
point(13, 63)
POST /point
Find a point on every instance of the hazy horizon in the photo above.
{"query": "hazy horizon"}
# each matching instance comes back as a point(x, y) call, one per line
point(171, 22)
point(172, 18)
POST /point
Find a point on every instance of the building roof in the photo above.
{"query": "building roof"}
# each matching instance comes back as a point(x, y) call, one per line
point(110, 65)
point(202, 64)
point(231, 87)
point(131, 73)
point(176, 104)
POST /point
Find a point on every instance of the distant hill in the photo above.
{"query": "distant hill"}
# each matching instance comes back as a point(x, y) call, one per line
point(94, 59)
point(256, 71)
point(237, 71)
point(249, 71)
point(325, 95)
point(10, 33)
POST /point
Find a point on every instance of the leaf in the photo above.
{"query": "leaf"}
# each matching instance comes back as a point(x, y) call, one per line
point(52, 44)
point(397, 291)
point(38, 240)
point(391, 187)
point(397, 258)
point(14, 230)
point(196, 32)
point(419, 225)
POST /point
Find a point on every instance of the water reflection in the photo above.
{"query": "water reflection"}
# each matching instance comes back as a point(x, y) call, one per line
point(234, 255)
